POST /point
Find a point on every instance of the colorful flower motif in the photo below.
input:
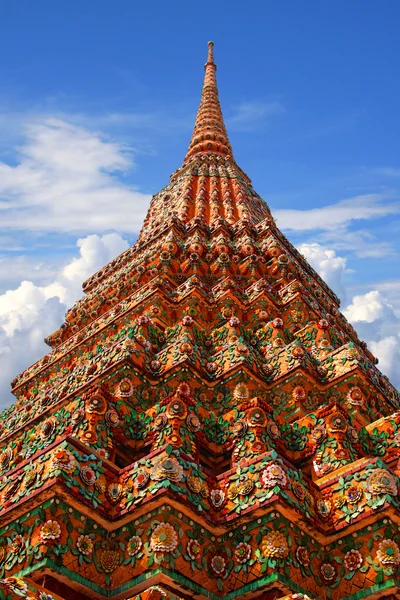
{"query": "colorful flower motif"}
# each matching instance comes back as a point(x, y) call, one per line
point(164, 538)
point(274, 545)
point(352, 435)
point(176, 410)
point(277, 323)
point(298, 490)
point(160, 421)
point(84, 545)
point(328, 571)
point(233, 491)
point(77, 417)
point(241, 392)
point(353, 494)
point(245, 485)
point(274, 475)
point(355, 396)
point(218, 565)
point(240, 428)
point(299, 393)
point(114, 492)
point(242, 349)
point(48, 428)
point(193, 549)
point(50, 531)
point(297, 352)
point(5, 459)
point(256, 417)
point(303, 556)
point(155, 365)
point(134, 545)
point(87, 475)
point(18, 544)
point(268, 369)
point(62, 459)
point(109, 560)
point(125, 388)
point(217, 498)
point(353, 560)
point(187, 321)
point(142, 478)
point(97, 405)
point(272, 429)
point(322, 370)
point(194, 484)
point(112, 418)
point(103, 452)
point(388, 553)
point(339, 501)
point(167, 468)
point(336, 423)
point(242, 553)
point(381, 482)
point(193, 423)
point(324, 508)
point(186, 348)
point(318, 434)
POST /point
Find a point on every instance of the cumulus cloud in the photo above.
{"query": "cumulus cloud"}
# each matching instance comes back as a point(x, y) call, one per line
point(377, 323)
point(66, 179)
point(326, 262)
point(375, 318)
point(31, 312)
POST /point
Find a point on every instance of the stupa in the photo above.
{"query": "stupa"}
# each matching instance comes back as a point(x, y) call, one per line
point(207, 424)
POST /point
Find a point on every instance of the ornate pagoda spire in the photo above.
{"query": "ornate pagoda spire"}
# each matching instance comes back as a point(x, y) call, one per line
point(206, 415)
point(209, 133)
point(210, 188)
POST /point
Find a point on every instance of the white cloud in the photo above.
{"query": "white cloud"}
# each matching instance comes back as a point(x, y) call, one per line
point(374, 317)
point(31, 312)
point(66, 180)
point(368, 206)
point(376, 321)
point(367, 308)
point(326, 262)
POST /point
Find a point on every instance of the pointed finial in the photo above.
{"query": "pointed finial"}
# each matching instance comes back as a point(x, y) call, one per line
point(210, 57)
point(209, 134)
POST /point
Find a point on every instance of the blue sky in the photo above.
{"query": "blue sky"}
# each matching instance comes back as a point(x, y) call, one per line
point(97, 102)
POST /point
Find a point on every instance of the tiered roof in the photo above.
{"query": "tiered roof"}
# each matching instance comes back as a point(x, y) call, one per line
point(207, 419)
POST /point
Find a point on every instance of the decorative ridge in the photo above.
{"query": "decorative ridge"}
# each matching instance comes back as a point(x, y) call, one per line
point(209, 133)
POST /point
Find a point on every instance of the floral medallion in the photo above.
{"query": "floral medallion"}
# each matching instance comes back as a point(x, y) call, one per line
point(388, 553)
point(134, 545)
point(274, 545)
point(193, 549)
point(353, 560)
point(274, 475)
point(50, 531)
point(164, 538)
point(85, 545)
point(242, 553)
point(167, 468)
point(109, 560)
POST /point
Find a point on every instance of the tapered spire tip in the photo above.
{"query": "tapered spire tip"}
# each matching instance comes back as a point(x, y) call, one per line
point(210, 57)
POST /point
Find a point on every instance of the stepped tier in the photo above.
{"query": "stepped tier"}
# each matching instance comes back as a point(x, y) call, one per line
point(207, 423)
